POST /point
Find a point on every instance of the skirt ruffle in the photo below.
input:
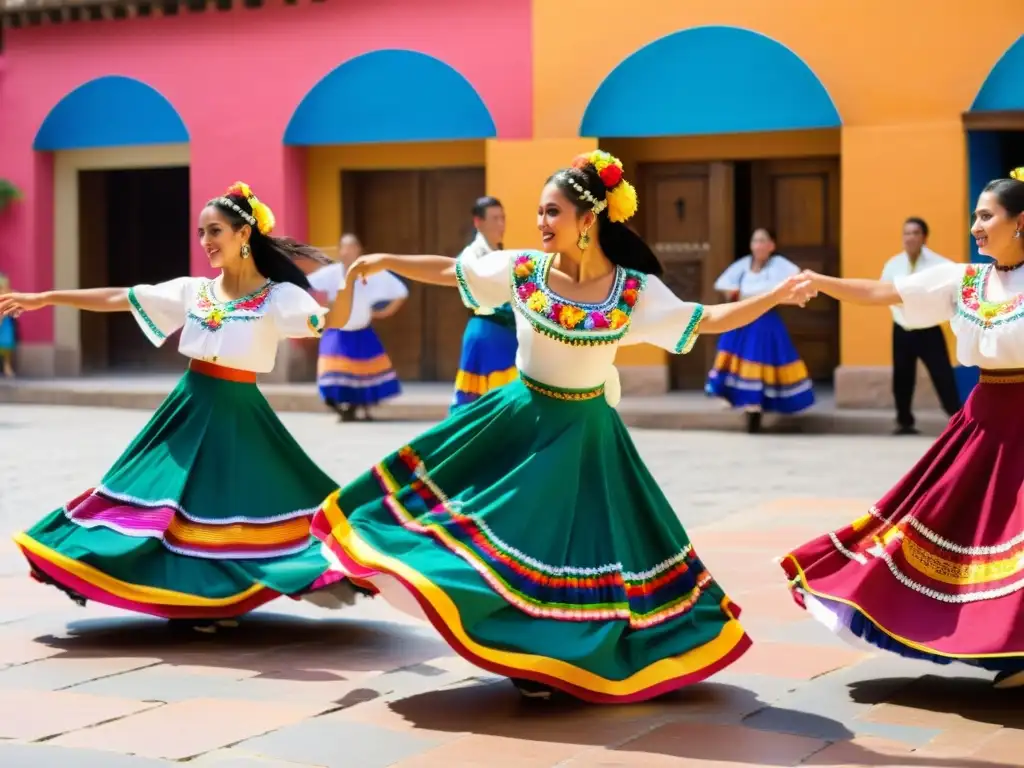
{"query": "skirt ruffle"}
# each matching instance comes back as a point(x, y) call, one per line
point(488, 359)
point(933, 571)
point(758, 367)
point(354, 369)
point(205, 515)
point(528, 531)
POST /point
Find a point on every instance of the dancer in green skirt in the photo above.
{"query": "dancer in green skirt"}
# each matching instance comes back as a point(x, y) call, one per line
point(206, 514)
point(525, 527)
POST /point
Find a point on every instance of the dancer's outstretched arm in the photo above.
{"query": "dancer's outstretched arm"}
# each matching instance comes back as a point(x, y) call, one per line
point(856, 291)
point(432, 270)
point(86, 299)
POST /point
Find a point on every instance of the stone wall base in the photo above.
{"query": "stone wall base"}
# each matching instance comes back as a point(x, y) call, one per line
point(644, 380)
point(871, 387)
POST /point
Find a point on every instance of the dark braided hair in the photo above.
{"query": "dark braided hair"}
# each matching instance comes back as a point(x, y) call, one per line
point(622, 246)
point(274, 257)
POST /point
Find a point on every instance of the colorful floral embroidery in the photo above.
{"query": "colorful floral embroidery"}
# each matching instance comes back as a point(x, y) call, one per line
point(975, 306)
point(604, 592)
point(212, 314)
point(573, 322)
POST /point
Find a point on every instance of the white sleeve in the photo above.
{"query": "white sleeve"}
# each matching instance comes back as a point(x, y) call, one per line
point(929, 296)
point(783, 268)
point(328, 279)
point(384, 287)
point(663, 319)
point(485, 282)
point(160, 309)
point(295, 313)
point(730, 279)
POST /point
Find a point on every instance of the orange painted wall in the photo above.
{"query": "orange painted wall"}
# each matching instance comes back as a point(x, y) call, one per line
point(900, 97)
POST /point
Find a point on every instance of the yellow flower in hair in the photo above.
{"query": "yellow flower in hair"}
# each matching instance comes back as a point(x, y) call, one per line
point(1017, 173)
point(264, 216)
point(240, 189)
point(622, 201)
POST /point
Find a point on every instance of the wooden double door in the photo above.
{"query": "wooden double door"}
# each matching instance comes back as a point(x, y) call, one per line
point(409, 212)
point(698, 217)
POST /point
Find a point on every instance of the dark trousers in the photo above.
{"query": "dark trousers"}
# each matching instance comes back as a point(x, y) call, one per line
point(929, 346)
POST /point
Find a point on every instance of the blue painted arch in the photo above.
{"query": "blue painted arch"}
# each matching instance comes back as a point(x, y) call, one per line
point(1003, 89)
point(709, 80)
point(111, 111)
point(390, 95)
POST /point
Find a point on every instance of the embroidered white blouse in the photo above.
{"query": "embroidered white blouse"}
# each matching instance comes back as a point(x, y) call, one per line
point(243, 333)
point(740, 276)
point(568, 344)
point(382, 287)
point(985, 308)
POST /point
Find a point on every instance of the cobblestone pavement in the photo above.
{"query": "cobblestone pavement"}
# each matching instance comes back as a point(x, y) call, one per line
point(366, 688)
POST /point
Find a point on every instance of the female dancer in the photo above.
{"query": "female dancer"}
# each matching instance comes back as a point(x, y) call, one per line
point(934, 570)
point(757, 368)
point(353, 368)
point(206, 514)
point(526, 527)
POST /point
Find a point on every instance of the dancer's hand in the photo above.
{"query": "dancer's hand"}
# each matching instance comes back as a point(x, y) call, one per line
point(365, 266)
point(13, 304)
point(796, 290)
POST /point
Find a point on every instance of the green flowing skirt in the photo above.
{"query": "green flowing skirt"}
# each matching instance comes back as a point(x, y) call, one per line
point(205, 515)
point(531, 535)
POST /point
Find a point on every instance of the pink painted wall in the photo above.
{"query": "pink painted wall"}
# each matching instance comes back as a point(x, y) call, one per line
point(235, 78)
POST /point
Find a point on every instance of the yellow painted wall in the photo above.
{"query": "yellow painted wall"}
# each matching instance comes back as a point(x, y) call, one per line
point(327, 163)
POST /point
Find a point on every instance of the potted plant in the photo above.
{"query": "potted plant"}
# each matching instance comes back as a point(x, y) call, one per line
point(8, 193)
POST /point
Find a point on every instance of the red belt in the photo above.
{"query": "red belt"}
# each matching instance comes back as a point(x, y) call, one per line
point(222, 372)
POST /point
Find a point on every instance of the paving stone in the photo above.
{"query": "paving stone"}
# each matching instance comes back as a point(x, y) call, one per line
point(799, 723)
point(496, 752)
point(235, 758)
point(725, 743)
point(55, 673)
point(160, 683)
point(189, 728)
point(801, 662)
point(45, 756)
point(34, 715)
point(334, 743)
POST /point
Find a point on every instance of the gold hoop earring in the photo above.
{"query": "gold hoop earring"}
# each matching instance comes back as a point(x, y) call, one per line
point(246, 251)
point(584, 241)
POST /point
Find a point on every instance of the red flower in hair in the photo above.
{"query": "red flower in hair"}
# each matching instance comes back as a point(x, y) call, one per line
point(611, 176)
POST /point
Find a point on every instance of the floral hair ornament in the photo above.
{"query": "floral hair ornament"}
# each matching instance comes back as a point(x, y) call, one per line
point(1017, 173)
point(620, 198)
point(262, 217)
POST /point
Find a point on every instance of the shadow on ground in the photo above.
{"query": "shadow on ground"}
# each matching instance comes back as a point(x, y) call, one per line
point(275, 646)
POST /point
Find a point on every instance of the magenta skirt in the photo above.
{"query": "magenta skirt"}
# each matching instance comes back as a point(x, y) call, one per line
point(935, 570)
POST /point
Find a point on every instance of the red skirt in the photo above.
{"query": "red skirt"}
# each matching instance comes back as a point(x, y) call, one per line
point(936, 569)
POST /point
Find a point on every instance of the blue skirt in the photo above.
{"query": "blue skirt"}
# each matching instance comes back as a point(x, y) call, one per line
point(6, 333)
point(354, 369)
point(488, 359)
point(757, 366)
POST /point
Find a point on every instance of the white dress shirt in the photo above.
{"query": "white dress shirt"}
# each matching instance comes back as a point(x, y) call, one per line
point(899, 266)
